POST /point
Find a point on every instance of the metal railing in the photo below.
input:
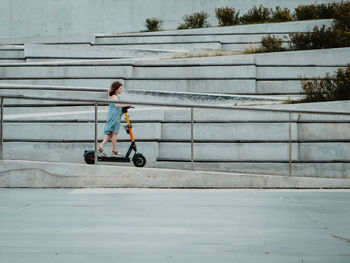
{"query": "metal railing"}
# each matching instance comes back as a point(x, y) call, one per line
point(98, 102)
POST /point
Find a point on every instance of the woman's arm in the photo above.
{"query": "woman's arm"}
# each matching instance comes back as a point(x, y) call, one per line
point(115, 97)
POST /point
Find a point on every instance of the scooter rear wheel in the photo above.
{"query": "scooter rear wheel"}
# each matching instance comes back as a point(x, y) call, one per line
point(89, 157)
point(139, 160)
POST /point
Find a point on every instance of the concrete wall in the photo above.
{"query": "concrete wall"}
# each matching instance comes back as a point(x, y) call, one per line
point(225, 140)
point(51, 17)
point(44, 174)
point(272, 73)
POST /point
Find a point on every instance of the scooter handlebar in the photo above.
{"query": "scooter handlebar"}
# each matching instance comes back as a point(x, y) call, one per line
point(125, 109)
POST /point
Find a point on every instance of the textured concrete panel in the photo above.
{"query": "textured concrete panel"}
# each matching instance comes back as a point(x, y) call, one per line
point(324, 151)
point(42, 71)
point(42, 174)
point(321, 170)
point(229, 131)
point(77, 131)
point(229, 86)
point(227, 151)
point(319, 131)
point(71, 152)
point(195, 72)
point(93, 52)
point(336, 56)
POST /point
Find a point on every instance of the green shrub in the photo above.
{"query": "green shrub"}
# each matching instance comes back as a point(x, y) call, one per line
point(319, 38)
point(257, 15)
point(325, 11)
point(153, 24)
point(281, 15)
point(332, 87)
point(322, 11)
point(299, 41)
point(227, 16)
point(182, 26)
point(324, 37)
point(342, 17)
point(196, 20)
point(272, 44)
point(305, 12)
point(342, 24)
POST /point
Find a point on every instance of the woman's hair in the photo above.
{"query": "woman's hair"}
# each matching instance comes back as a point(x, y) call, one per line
point(115, 85)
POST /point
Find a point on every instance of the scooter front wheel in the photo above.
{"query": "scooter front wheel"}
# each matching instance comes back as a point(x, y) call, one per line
point(139, 160)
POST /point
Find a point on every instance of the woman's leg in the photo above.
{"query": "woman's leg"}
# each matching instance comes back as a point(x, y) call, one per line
point(105, 140)
point(114, 141)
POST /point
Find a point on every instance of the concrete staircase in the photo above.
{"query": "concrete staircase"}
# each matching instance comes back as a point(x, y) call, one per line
point(260, 74)
point(166, 44)
point(239, 141)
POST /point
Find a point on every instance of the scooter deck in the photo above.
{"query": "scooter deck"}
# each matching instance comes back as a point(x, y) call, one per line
point(112, 159)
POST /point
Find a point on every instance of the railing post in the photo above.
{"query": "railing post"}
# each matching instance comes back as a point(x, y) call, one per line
point(96, 135)
point(192, 141)
point(290, 144)
point(2, 128)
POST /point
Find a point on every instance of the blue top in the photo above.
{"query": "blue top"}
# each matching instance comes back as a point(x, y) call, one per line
point(113, 119)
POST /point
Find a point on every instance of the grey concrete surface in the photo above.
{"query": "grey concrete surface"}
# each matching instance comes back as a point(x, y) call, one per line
point(76, 17)
point(135, 95)
point(235, 74)
point(293, 26)
point(320, 169)
point(153, 225)
point(156, 134)
point(86, 51)
point(21, 173)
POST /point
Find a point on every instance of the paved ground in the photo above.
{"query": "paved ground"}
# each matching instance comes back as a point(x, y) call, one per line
point(136, 225)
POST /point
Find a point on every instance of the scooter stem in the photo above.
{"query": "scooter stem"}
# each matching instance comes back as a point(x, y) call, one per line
point(129, 126)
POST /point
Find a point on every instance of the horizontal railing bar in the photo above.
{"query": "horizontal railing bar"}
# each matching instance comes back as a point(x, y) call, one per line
point(74, 120)
point(203, 141)
point(192, 34)
point(251, 161)
point(173, 105)
point(51, 105)
point(14, 86)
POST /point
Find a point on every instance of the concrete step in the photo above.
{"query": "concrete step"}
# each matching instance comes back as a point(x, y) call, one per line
point(240, 74)
point(172, 38)
point(320, 169)
point(142, 113)
point(49, 91)
point(11, 53)
point(180, 131)
point(50, 39)
point(129, 95)
point(37, 52)
point(233, 37)
point(51, 174)
point(185, 48)
point(192, 98)
point(208, 151)
point(76, 130)
point(85, 113)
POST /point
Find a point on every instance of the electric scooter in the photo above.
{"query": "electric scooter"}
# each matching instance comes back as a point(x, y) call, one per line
point(138, 159)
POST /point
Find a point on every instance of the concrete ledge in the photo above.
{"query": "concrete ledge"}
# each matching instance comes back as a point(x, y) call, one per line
point(268, 28)
point(85, 51)
point(308, 169)
point(42, 174)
